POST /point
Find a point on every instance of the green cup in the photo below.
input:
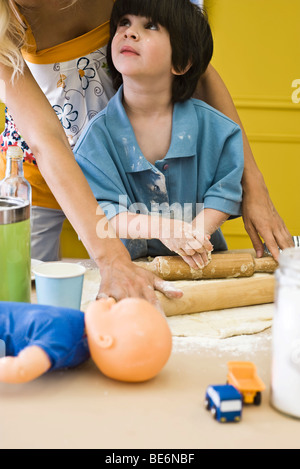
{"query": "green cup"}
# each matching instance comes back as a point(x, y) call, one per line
point(15, 259)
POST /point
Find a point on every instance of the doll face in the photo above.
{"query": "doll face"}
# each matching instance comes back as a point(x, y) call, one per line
point(129, 340)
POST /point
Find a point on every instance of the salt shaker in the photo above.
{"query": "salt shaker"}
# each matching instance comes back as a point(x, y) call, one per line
point(285, 383)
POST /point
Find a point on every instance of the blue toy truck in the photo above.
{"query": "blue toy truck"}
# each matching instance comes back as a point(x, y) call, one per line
point(225, 403)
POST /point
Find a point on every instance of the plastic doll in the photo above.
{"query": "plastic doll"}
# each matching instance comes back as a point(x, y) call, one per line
point(128, 341)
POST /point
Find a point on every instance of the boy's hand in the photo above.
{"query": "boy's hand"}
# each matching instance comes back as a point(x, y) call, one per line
point(192, 245)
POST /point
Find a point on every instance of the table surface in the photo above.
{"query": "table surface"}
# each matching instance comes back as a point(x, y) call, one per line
point(81, 408)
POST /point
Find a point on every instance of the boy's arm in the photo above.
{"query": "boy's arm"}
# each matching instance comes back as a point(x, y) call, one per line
point(259, 214)
point(209, 220)
point(177, 235)
point(129, 225)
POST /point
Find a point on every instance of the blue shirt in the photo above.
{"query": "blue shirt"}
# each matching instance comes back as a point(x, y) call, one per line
point(58, 331)
point(204, 165)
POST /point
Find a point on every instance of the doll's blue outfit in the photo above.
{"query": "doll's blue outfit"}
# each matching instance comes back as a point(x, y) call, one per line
point(60, 332)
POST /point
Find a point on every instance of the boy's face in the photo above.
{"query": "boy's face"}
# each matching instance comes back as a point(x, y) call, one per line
point(141, 48)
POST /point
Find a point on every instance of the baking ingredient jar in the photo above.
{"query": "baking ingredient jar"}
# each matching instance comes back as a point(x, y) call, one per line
point(15, 259)
point(285, 382)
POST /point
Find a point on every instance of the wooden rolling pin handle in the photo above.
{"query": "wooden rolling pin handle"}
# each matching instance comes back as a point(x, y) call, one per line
point(221, 266)
point(265, 264)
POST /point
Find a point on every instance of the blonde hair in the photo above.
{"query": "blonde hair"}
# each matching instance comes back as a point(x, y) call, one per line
point(12, 37)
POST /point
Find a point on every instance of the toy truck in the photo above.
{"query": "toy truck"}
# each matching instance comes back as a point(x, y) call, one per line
point(243, 376)
point(225, 403)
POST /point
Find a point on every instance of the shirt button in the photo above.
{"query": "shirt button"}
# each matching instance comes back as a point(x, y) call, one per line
point(166, 166)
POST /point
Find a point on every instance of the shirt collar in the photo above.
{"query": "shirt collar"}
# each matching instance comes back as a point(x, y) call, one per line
point(184, 134)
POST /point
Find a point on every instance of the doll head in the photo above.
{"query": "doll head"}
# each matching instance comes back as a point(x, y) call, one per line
point(129, 340)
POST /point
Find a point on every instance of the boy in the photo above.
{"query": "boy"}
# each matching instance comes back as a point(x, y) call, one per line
point(154, 148)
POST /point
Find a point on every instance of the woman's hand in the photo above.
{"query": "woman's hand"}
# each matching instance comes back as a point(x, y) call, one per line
point(261, 220)
point(121, 278)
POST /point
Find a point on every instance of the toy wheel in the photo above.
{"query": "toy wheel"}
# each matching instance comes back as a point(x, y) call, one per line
point(213, 411)
point(206, 404)
point(257, 399)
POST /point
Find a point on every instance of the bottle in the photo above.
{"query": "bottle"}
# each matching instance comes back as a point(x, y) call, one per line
point(14, 184)
point(15, 232)
point(285, 382)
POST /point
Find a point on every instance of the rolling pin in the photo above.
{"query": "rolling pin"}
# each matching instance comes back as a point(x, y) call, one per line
point(210, 295)
point(222, 265)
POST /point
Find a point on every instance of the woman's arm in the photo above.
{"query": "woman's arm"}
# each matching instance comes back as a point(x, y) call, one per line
point(259, 214)
point(41, 129)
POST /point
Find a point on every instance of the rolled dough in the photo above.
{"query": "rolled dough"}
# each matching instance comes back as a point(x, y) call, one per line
point(213, 324)
point(223, 324)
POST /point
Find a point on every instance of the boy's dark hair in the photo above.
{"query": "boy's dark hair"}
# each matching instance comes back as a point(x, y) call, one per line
point(190, 36)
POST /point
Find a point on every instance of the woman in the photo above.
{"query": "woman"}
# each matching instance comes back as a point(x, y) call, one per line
point(49, 28)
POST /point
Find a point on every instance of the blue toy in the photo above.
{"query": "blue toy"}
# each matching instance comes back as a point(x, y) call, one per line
point(225, 403)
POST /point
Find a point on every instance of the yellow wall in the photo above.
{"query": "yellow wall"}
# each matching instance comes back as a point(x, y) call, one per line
point(69, 243)
point(257, 55)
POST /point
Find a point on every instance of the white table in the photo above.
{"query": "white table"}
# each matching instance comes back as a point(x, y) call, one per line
point(81, 408)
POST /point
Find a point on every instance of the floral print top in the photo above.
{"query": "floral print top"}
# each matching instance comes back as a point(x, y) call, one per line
point(77, 90)
point(74, 77)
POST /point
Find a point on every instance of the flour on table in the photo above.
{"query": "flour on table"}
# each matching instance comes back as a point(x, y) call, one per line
point(223, 324)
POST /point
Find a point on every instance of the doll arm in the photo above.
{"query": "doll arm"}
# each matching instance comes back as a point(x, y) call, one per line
point(259, 214)
point(31, 363)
